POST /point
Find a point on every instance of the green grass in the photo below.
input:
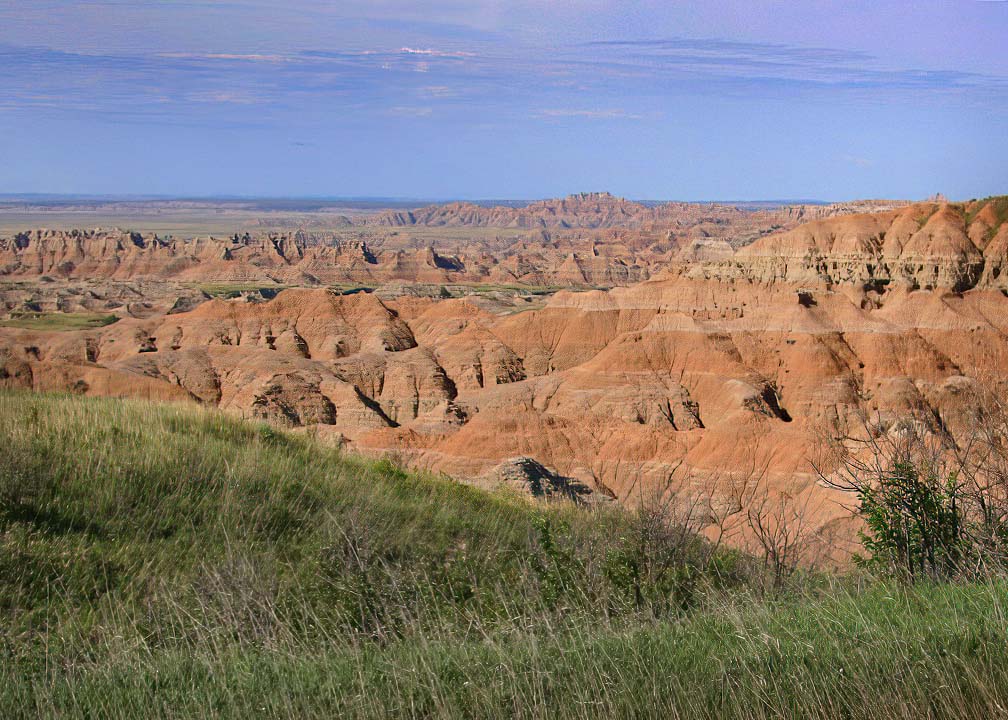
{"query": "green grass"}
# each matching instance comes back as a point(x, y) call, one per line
point(915, 654)
point(57, 321)
point(923, 218)
point(165, 561)
point(1000, 206)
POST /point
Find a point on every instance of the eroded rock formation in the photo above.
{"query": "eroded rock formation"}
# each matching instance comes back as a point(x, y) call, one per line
point(715, 370)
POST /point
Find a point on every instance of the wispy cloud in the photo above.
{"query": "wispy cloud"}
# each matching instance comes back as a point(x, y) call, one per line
point(436, 53)
point(757, 65)
point(437, 91)
point(589, 114)
point(415, 112)
point(248, 57)
point(735, 50)
point(625, 79)
point(226, 97)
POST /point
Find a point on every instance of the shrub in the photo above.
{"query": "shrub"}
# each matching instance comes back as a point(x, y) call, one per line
point(914, 523)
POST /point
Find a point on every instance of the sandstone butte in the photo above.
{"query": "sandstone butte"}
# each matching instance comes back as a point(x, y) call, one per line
point(712, 372)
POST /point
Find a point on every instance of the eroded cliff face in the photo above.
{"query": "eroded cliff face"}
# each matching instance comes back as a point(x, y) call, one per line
point(926, 245)
point(586, 240)
point(604, 210)
point(116, 254)
point(710, 372)
point(303, 259)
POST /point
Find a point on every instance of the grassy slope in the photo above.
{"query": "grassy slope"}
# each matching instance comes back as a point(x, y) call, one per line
point(1000, 207)
point(58, 321)
point(168, 562)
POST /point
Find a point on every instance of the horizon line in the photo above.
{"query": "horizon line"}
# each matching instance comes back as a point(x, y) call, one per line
point(404, 199)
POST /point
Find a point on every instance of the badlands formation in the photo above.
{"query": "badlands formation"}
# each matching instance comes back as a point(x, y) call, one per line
point(588, 240)
point(720, 368)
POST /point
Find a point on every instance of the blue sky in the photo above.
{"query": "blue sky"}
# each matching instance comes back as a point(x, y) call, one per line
point(489, 99)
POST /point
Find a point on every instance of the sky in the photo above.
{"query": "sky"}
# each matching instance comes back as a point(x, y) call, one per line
point(476, 99)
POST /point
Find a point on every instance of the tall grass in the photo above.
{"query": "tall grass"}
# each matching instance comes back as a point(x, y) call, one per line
point(171, 562)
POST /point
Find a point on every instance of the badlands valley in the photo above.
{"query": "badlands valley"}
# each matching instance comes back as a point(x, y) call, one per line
point(592, 346)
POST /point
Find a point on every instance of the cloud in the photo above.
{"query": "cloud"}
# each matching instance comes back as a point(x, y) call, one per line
point(625, 79)
point(250, 57)
point(437, 91)
point(589, 114)
point(735, 50)
point(415, 112)
point(759, 65)
point(435, 53)
point(224, 96)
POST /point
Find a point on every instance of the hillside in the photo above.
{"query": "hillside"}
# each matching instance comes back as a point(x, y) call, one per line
point(161, 561)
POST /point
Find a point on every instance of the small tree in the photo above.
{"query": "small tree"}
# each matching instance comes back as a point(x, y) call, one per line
point(779, 523)
point(914, 522)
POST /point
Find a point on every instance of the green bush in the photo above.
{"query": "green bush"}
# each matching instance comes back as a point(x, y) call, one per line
point(914, 523)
